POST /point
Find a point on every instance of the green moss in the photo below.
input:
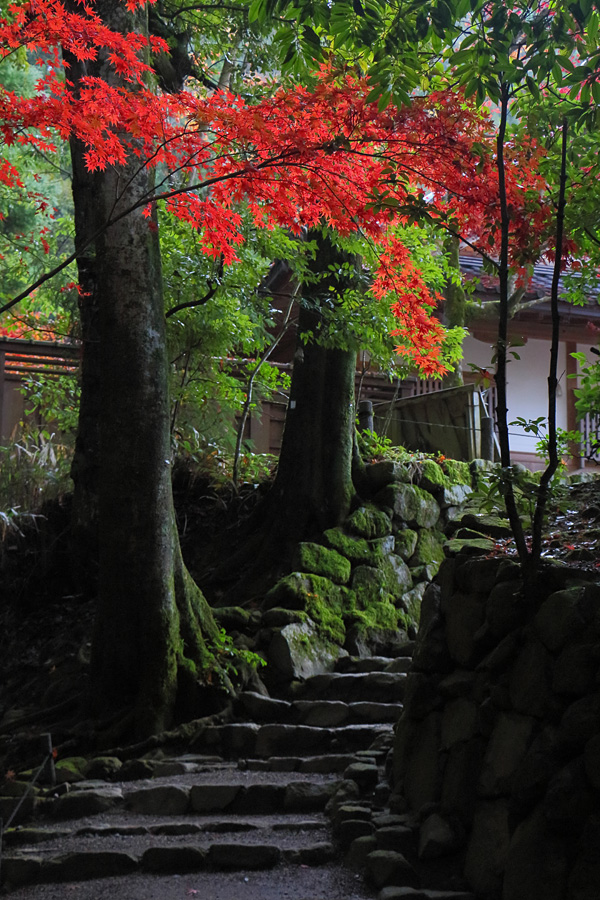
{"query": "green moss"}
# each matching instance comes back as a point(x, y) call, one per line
point(429, 549)
point(357, 549)
point(457, 471)
point(406, 541)
point(369, 522)
point(373, 614)
point(432, 475)
point(319, 560)
point(317, 597)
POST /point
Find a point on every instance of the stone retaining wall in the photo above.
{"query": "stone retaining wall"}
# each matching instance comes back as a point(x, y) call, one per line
point(497, 752)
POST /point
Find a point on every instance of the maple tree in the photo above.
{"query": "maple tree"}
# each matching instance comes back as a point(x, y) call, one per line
point(299, 158)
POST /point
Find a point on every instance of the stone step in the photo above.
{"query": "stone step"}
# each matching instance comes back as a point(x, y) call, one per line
point(379, 687)
point(329, 763)
point(30, 836)
point(178, 799)
point(80, 865)
point(322, 713)
point(263, 741)
point(347, 664)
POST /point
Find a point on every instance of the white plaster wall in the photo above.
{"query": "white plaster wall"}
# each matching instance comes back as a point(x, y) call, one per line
point(527, 384)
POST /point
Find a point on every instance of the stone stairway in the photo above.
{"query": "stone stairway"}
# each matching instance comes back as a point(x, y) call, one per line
point(257, 807)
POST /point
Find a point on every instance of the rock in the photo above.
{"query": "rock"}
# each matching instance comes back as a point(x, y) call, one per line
point(80, 866)
point(321, 713)
point(304, 796)
point(459, 789)
point(232, 618)
point(575, 669)
point(591, 757)
point(105, 768)
point(487, 848)
point(70, 769)
point(536, 864)
point(319, 560)
point(343, 794)
point(580, 722)
point(265, 709)
point(530, 680)
point(507, 747)
point(380, 474)
point(422, 775)
point(405, 543)
point(505, 608)
point(569, 799)
point(438, 837)
point(459, 722)
point(410, 504)
point(454, 495)
point(539, 764)
point(277, 617)
point(136, 770)
point(350, 829)
point(318, 854)
point(363, 774)
point(205, 798)
point(356, 858)
point(356, 549)
point(585, 873)
point(477, 575)
point(243, 856)
point(167, 860)
point(388, 867)
point(159, 800)
point(299, 651)
point(559, 618)
point(369, 522)
point(18, 870)
point(429, 549)
point(86, 803)
point(395, 837)
point(464, 615)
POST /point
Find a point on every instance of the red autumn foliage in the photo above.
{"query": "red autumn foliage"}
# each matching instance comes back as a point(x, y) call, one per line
point(299, 158)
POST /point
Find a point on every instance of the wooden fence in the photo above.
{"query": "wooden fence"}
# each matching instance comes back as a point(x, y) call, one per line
point(20, 359)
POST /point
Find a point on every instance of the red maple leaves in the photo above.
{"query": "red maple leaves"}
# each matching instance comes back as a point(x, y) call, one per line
point(298, 158)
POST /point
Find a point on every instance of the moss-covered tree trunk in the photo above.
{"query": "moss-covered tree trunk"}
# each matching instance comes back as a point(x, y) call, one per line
point(152, 620)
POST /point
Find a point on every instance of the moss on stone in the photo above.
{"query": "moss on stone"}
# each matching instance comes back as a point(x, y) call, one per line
point(432, 476)
point(357, 549)
point(429, 549)
point(369, 522)
point(457, 471)
point(406, 541)
point(410, 504)
point(319, 560)
point(316, 597)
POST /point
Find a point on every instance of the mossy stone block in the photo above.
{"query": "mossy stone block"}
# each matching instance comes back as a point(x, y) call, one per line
point(369, 522)
point(232, 617)
point(410, 504)
point(318, 597)
point(358, 549)
point(406, 541)
point(457, 471)
point(432, 476)
point(319, 560)
point(429, 549)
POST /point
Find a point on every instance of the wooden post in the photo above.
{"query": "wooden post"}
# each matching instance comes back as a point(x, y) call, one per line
point(365, 415)
point(487, 438)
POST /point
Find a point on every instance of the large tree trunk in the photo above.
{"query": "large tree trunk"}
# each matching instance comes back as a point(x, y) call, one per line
point(313, 488)
point(152, 620)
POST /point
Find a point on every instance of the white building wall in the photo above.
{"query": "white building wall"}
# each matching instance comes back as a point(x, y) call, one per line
point(527, 384)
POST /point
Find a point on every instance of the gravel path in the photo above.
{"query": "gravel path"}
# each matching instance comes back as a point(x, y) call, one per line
point(283, 883)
